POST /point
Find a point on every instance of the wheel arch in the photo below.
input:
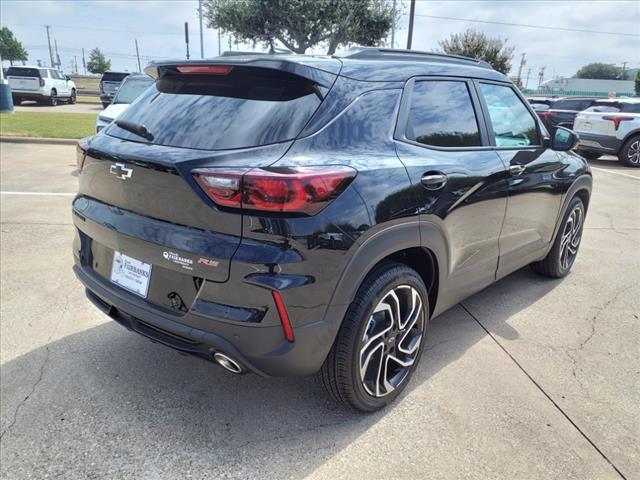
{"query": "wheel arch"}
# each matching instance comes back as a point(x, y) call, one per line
point(581, 187)
point(630, 134)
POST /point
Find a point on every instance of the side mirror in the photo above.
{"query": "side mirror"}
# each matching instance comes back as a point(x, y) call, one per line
point(564, 139)
point(67, 77)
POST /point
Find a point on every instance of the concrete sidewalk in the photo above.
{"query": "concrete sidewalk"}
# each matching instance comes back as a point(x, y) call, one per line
point(531, 378)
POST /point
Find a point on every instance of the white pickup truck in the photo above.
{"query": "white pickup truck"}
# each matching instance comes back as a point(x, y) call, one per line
point(44, 85)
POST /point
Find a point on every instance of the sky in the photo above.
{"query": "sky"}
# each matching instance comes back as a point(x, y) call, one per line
point(158, 25)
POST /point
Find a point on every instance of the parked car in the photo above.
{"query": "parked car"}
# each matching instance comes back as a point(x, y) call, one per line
point(44, 85)
point(563, 111)
point(130, 89)
point(613, 127)
point(291, 215)
point(109, 84)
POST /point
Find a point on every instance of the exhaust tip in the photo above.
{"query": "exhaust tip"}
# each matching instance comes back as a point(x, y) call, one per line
point(227, 363)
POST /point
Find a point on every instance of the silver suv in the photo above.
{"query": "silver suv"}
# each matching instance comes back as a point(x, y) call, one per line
point(613, 127)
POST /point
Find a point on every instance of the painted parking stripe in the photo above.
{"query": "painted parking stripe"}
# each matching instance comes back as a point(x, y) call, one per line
point(41, 194)
point(615, 173)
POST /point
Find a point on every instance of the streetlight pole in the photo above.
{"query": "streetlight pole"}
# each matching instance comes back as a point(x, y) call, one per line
point(201, 33)
point(412, 13)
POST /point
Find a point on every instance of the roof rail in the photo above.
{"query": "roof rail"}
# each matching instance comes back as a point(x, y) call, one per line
point(375, 53)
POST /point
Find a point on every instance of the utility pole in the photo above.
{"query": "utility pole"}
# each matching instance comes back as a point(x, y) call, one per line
point(523, 62)
point(541, 76)
point(201, 34)
point(186, 37)
point(624, 70)
point(84, 64)
point(138, 55)
point(75, 64)
point(219, 43)
point(58, 63)
point(393, 25)
point(49, 42)
point(526, 83)
point(412, 14)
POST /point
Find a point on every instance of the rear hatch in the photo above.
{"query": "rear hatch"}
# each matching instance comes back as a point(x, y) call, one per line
point(24, 78)
point(592, 119)
point(141, 191)
point(111, 81)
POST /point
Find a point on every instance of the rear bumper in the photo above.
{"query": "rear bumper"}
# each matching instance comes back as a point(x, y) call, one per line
point(107, 97)
point(237, 317)
point(599, 143)
point(29, 94)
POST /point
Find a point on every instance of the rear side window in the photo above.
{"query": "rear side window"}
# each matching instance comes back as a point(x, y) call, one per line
point(246, 108)
point(631, 107)
point(442, 115)
point(114, 76)
point(23, 72)
point(604, 108)
point(513, 124)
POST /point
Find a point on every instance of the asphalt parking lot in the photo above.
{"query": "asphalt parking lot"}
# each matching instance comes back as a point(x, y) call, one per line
point(62, 107)
point(531, 378)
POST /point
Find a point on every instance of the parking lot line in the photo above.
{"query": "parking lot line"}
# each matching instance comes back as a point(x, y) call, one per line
point(615, 173)
point(53, 194)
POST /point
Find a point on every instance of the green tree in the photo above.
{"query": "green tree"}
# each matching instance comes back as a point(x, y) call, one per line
point(637, 83)
point(98, 63)
point(10, 48)
point(602, 71)
point(474, 44)
point(301, 24)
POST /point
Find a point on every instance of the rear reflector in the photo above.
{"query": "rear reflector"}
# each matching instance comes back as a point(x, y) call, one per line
point(81, 152)
point(284, 316)
point(280, 190)
point(205, 69)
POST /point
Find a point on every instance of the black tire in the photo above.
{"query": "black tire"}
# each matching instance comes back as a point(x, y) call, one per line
point(562, 255)
point(72, 98)
point(105, 104)
point(52, 101)
point(341, 373)
point(630, 152)
point(17, 101)
point(589, 154)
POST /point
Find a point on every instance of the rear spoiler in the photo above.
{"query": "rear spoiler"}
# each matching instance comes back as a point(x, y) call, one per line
point(323, 72)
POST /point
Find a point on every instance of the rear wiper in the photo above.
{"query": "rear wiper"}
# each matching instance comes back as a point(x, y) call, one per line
point(139, 130)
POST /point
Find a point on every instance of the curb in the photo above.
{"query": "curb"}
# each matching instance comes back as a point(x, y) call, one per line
point(50, 141)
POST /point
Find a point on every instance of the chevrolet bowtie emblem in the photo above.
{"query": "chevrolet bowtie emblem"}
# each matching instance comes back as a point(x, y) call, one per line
point(122, 172)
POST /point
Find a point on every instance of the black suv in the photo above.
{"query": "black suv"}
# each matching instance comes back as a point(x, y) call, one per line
point(294, 215)
point(109, 84)
point(562, 111)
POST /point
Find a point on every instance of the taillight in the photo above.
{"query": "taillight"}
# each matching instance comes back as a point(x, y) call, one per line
point(41, 82)
point(81, 152)
point(616, 119)
point(101, 86)
point(280, 190)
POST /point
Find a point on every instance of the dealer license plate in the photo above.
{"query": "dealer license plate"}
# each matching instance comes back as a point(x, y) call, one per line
point(131, 274)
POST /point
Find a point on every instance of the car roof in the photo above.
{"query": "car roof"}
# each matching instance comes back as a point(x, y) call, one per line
point(33, 66)
point(620, 100)
point(362, 63)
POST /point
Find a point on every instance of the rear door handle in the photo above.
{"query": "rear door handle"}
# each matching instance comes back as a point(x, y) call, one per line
point(516, 170)
point(434, 181)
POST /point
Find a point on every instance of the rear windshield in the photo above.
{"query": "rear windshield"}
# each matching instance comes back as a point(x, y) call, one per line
point(114, 76)
point(23, 72)
point(245, 108)
point(604, 107)
point(577, 105)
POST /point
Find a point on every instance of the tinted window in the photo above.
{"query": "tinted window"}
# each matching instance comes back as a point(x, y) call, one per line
point(513, 125)
point(222, 112)
point(56, 74)
point(442, 115)
point(44, 73)
point(23, 72)
point(114, 76)
point(631, 107)
point(131, 89)
point(577, 105)
point(604, 107)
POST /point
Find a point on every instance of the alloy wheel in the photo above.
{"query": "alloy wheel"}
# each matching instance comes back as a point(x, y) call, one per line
point(633, 153)
point(391, 341)
point(571, 236)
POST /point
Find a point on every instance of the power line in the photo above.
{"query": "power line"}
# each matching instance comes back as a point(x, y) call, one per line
point(625, 34)
point(98, 28)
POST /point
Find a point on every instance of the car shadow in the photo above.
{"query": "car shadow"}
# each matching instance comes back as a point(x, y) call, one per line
point(150, 409)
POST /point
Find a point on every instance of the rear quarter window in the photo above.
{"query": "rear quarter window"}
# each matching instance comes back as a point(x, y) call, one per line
point(631, 107)
point(114, 76)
